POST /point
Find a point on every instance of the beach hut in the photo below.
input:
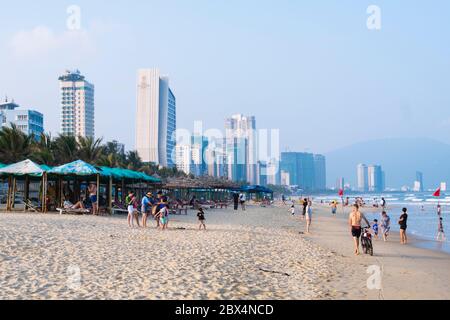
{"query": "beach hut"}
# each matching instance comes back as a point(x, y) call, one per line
point(73, 171)
point(79, 170)
point(25, 170)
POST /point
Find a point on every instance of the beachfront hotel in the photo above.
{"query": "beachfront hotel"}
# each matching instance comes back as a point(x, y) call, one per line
point(77, 105)
point(155, 118)
point(30, 122)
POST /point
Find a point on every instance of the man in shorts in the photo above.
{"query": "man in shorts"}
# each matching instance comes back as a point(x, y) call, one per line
point(354, 221)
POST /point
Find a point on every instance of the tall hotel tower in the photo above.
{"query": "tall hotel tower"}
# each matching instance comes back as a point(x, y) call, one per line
point(155, 118)
point(77, 105)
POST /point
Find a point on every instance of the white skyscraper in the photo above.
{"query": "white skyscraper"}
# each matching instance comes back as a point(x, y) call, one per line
point(155, 118)
point(363, 175)
point(77, 105)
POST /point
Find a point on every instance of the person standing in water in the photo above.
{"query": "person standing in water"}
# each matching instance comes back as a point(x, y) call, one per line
point(439, 210)
point(354, 221)
point(440, 235)
point(403, 226)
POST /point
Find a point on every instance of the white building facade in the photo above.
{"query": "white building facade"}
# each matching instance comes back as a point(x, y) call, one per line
point(30, 122)
point(155, 118)
point(77, 105)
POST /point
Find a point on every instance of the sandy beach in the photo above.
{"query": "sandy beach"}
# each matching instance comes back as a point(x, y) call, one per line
point(259, 254)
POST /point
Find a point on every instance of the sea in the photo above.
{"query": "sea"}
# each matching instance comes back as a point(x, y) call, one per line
point(422, 214)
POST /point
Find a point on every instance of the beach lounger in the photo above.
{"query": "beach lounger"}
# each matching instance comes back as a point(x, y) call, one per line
point(31, 206)
point(73, 211)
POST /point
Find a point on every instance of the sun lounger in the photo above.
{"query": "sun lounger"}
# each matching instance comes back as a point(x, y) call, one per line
point(73, 211)
point(31, 206)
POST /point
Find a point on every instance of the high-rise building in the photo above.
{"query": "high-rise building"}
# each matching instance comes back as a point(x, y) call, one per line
point(29, 122)
point(320, 172)
point(375, 178)
point(418, 184)
point(363, 176)
point(155, 118)
point(241, 148)
point(301, 169)
point(183, 157)
point(199, 145)
point(77, 105)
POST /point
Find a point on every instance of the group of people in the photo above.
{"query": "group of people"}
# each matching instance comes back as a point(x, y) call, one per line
point(356, 219)
point(155, 207)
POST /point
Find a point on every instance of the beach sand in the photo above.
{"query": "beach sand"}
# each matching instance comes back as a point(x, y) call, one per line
point(259, 254)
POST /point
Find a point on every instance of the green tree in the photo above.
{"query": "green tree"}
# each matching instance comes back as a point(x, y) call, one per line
point(65, 149)
point(15, 146)
point(90, 150)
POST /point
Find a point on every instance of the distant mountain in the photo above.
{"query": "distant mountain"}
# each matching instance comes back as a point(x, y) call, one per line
point(400, 159)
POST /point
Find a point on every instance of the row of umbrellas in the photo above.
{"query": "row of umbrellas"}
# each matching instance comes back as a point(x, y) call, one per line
point(76, 168)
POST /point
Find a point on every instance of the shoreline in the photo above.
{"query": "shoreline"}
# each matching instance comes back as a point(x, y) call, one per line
point(257, 254)
point(408, 271)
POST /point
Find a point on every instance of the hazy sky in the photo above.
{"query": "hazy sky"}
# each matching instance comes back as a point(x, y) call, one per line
point(310, 68)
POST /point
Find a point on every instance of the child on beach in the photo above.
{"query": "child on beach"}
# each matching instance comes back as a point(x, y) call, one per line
point(440, 234)
point(375, 228)
point(163, 216)
point(292, 210)
point(201, 219)
point(385, 225)
point(333, 207)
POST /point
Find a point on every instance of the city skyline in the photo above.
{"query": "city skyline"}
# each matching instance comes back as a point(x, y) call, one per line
point(402, 98)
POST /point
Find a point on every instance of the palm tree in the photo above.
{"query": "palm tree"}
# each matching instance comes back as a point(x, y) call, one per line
point(14, 144)
point(43, 150)
point(90, 149)
point(133, 160)
point(65, 149)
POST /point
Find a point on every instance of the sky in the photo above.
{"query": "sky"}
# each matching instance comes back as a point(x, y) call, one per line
point(311, 69)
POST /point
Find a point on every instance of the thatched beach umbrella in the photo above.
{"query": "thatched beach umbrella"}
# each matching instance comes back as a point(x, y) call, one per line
point(25, 169)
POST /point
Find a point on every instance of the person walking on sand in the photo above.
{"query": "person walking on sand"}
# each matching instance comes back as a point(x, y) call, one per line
point(201, 219)
point(403, 226)
point(308, 217)
point(236, 201)
point(385, 225)
point(242, 200)
point(92, 189)
point(283, 199)
point(440, 235)
point(354, 221)
point(383, 203)
point(292, 210)
point(334, 207)
point(305, 205)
